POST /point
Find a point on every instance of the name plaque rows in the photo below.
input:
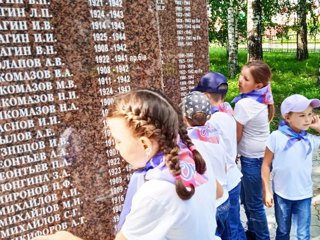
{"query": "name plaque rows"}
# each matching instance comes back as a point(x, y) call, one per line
point(61, 63)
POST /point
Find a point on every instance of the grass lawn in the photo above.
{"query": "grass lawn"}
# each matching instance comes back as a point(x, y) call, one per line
point(289, 75)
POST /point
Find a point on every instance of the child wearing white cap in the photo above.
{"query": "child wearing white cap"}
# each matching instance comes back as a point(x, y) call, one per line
point(289, 151)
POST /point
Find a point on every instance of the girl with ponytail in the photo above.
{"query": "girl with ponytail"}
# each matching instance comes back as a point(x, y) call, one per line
point(253, 111)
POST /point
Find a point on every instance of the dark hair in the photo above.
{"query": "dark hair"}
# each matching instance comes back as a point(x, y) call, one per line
point(150, 113)
point(261, 73)
point(216, 97)
point(198, 119)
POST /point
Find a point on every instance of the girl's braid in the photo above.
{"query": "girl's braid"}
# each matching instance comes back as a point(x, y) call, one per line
point(150, 113)
point(170, 147)
point(172, 157)
point(200, 163)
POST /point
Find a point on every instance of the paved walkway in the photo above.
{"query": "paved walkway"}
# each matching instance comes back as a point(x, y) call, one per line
point(315, 218)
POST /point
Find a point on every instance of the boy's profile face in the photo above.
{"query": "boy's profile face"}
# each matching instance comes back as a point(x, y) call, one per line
point(299, 121)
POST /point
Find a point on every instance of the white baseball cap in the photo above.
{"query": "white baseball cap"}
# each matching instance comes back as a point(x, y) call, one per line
point(297, 103)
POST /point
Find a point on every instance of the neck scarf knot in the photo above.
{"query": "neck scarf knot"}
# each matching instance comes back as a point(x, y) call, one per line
point(262, 95)
point(294, 136)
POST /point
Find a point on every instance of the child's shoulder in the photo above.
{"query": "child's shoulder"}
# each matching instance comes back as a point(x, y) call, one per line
point(221, 118)
point(249, 104)
point(155, 187)
point(312, 135)
point(277, 141)
point(244, 101)
point(277, 134)
point(314, 138)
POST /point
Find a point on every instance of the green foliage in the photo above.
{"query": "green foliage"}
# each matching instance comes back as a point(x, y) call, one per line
point(314, 24)
point(269, 8)
point(218, 17)
point(289, 75)
point(219, 14)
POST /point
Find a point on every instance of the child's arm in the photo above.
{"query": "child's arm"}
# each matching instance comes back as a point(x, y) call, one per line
point(239, 131)
point(265, 173)
point(219, 190)
point(315, 123)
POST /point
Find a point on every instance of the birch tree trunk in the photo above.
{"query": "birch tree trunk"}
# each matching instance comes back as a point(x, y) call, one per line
point(232, 39)
point(302, 32)
point(254, 29)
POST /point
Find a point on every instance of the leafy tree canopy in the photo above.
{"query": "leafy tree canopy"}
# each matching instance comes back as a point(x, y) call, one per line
point(219, 14)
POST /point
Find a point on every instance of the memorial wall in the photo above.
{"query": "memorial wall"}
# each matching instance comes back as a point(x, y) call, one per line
point(61, 63)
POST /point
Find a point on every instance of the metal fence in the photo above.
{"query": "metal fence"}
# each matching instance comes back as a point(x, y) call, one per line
point(286, 44)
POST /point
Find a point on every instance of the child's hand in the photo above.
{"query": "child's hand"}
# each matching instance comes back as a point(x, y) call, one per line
point(315, 124)
point(268, 199)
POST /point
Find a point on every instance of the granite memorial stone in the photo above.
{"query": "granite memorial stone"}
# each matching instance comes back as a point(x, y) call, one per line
point(61, 63)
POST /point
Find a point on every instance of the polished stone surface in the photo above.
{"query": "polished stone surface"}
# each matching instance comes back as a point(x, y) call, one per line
point(61, 63)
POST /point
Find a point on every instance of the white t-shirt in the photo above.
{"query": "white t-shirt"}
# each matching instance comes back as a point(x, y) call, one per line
point(158, 213)
point(291, 169)
point(227, 125)
point(215, 158)
point(254, 117)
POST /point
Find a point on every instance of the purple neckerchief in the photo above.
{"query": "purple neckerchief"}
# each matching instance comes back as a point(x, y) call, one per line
point(136, 180)
point(205, 133)
point(223, 107)
point(156, 169)
point(262, 95)
point(294, 136)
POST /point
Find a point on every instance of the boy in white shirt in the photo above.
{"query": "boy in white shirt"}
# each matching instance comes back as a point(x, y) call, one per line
point(289, 151)
point(215, 86)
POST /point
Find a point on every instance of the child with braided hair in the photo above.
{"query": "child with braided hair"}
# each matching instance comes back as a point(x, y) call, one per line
point(168, 196)
point(196, 109)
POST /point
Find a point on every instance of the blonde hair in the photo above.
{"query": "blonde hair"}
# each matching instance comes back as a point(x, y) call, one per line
point(150, 113)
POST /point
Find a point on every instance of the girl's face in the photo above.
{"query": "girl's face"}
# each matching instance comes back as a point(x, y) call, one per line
point(131, 148)
point(299, 121)
point(246, 82)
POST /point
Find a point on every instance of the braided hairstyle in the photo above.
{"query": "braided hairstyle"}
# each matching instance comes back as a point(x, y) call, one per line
point(151, 114)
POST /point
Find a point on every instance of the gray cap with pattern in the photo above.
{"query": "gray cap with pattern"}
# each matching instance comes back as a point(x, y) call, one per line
point(196, 102)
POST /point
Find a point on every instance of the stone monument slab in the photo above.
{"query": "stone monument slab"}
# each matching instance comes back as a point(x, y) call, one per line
point(61, 63)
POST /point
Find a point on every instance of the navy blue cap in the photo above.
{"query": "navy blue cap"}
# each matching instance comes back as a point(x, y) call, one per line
point(212, 82)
